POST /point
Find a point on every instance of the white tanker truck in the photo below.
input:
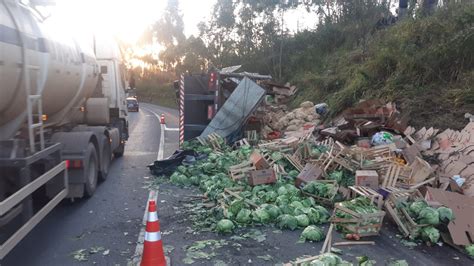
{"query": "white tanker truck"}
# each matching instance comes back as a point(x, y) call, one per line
point(63, 118)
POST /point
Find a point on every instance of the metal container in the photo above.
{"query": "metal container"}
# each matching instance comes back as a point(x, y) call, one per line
point(59, 69)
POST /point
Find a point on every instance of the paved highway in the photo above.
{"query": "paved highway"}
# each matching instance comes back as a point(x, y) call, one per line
point(112, 218)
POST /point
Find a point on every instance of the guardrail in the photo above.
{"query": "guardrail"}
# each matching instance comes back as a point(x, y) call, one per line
point(15, 199)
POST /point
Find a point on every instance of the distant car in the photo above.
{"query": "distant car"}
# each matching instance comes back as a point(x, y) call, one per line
point(132, 104)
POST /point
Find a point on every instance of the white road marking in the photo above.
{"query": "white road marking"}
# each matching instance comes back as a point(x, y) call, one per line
point(171, 128)
point(152, 195)
point(161, 148)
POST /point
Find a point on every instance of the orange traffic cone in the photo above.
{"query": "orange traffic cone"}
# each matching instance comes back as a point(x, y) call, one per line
point(153, 253)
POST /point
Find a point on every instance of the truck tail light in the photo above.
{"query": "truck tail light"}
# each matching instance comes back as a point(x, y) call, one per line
point(210, 112)
point(74, 164)
point(212, 81)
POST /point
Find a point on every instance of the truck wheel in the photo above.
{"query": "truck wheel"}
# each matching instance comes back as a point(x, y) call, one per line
point(105, 162)
point(91, 169)
point(120, 150)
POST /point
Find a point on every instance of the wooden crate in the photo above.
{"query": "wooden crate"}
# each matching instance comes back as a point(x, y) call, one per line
point(338, 156)
point(241, 143)
point(362, 224)
point(324, 201)
point(275, 145)
point(367, 192)
point(405, 222)
point(214, 139)
point(394, 172)
point(294, 162)
point(240, 171)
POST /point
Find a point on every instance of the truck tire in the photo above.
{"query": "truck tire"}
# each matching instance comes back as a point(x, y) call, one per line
point(105, 161)
point(91, 170)
point(118, 152)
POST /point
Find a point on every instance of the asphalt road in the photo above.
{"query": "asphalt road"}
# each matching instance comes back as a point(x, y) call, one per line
point(111, 220)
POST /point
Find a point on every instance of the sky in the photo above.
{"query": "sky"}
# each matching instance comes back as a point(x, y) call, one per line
point(127, 19)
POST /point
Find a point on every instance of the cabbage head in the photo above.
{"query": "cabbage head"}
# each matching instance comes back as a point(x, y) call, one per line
point(429, 233)
point(225, 226)
point(273, 211)
point(312, 233)
point(282, 190)
point(303, 220)
point(428, 215)
point(308, 202)
point(445, 214)
point(236, 206)
point(296, 204)
point(270, 196)
point(286, 221)
point(261, 216)
point(470, 250)
point(243, 217)
point(416, 207)
point(328, 259)
point(282, 200)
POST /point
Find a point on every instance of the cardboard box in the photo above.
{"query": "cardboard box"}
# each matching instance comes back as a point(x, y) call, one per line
point(259, 177)
point(367, 178)
point(462, 228)
point(309, 173)
point(258, 161)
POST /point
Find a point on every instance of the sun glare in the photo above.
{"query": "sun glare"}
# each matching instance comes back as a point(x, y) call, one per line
point(124, 19)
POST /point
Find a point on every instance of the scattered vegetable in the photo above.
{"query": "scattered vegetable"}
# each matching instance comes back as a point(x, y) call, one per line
point(225, 226)
point(286, 221)
point(312, 233)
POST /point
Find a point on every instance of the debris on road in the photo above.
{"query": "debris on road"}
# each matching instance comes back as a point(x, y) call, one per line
point(364, 165)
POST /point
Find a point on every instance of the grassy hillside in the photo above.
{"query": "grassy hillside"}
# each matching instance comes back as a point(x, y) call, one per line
point(424, 64)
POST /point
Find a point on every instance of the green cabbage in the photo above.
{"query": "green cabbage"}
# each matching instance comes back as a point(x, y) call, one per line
point(225, 226)
point(182, 169)
point(194, 180)
point(308, 202)
point(261, 216)
point(292, 191)
point(328, 259)
point(416, 207)
point(286, 221)
point(429, 233)
point(303, 220)
point(293, 173)
point(286, 209)
point(445, 214)
point(236, 205)
point(270, 196)
point(282, 200)
point(303, 210)
point(282, 191)
point(273, 211)
point(428, 215)
point(243, 217)
point(320, 189)
point(212, 157)
point(323, 214)
point(470, 250)
point(296, 204)
point(312, 233)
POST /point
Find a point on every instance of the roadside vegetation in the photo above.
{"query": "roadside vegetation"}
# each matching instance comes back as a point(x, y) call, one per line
point(424, 62)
